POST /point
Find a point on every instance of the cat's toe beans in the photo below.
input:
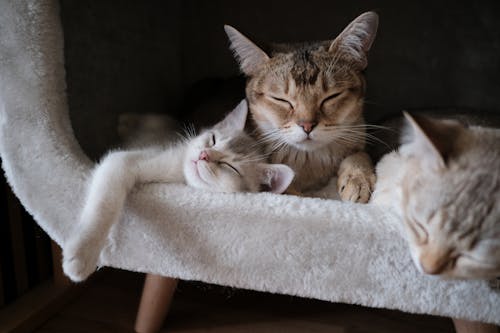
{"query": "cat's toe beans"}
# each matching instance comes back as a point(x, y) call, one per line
point(353, 198)
point(355, 195)
point(350, 193)
point(364, 193)
point(356, 189)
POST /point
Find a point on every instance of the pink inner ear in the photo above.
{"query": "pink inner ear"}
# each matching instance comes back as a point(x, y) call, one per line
point(280, 177)
point(433, 138)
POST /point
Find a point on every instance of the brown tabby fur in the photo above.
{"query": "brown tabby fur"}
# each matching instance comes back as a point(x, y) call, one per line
point(306, 101)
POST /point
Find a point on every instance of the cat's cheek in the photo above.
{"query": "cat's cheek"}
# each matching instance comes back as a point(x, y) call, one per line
point(415, 255)
point(469, 268)
point(191, 175)
point(488, 264)
point(266, 119)
point(320, 138)
point(266, 126)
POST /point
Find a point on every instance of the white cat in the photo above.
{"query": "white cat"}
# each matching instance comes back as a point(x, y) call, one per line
point(445, 183)
point(222, 159)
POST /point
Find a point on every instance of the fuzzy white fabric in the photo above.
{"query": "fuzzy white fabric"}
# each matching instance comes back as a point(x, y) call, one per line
point(316, 248)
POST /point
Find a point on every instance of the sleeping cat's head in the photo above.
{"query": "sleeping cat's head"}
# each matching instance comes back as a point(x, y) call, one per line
point(299, 95)
point(225, 159)
point(451, 198)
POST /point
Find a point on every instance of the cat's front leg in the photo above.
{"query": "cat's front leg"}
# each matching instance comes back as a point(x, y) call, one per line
point(356, 178)
point(82, 250)
point(109, 186)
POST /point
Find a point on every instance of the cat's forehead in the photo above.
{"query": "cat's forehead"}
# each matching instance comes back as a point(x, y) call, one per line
point(242, 144)
point(290, 48)
point(233, 141)
point(305, 69)
point(308, 65)
point(462, 197)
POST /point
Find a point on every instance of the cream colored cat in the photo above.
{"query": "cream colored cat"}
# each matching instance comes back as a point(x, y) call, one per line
point(221, 159)
point(306, 101)
point(445, 182)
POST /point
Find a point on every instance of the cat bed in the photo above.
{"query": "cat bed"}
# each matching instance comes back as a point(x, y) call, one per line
point(310, 247)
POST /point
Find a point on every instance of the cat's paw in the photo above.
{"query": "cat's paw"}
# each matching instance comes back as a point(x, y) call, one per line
point(79, 261)
point(356, 185)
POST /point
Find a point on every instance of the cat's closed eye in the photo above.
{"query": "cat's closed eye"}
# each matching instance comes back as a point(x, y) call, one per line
point(331, 97)
point(212, 140)
point(418, 231)
point(282, 101)
point(229, 167)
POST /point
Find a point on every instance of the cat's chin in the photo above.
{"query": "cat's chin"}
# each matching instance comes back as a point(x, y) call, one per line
point(307, 145)
point(192, 175)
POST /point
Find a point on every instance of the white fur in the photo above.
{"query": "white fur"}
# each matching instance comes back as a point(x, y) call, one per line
point(390, 171)
point(110, 184)
point(440, 199)
point(115, 177)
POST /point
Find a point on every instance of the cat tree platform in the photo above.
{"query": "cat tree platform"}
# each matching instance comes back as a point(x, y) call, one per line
point(309, 247)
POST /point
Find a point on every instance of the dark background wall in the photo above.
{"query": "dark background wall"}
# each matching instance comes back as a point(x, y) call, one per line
point(145, 56)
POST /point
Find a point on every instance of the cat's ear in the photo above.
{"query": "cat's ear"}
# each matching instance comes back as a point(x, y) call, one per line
point(249, 56)
point(357, 38)
point(431, 140)
point(236, 119)
point(275, 177)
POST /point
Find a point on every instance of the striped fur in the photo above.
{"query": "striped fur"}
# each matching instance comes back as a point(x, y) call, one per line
point(306, 101)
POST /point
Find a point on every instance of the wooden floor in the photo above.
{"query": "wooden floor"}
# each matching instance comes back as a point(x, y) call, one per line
point(109, 304)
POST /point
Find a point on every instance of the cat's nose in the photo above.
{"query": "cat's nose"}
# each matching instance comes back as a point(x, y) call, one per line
point(307, 126)
point(433, 263)
point(203, 156)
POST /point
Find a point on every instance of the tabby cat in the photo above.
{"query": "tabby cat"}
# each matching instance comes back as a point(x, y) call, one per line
point(445, 182)
point(306, 102)
point(221, 159)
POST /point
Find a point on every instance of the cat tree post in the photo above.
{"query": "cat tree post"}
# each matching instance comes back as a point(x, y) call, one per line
point(155, 302)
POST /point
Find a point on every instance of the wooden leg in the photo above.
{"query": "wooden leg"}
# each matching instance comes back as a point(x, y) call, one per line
point(465, 326)
point(156, 298)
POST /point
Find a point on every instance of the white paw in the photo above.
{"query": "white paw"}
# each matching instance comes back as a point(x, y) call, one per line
point(80, 260)
point(356, 186)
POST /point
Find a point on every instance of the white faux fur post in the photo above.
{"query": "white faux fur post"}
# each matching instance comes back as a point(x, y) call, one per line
point(317, 248)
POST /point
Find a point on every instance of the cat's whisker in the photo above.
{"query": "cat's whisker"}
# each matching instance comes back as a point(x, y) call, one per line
point(349, 139)
point(351, 133)
point(278, 145)
point(362, 126)
point(345, 141)
point(270, 133)
point(374, 139)
point(256, 159)
point(369, 138)
point(273, 139)
point(361, 136)
point(188, 131)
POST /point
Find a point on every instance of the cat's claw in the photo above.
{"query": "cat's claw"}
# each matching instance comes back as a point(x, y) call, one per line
point(356, 186)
